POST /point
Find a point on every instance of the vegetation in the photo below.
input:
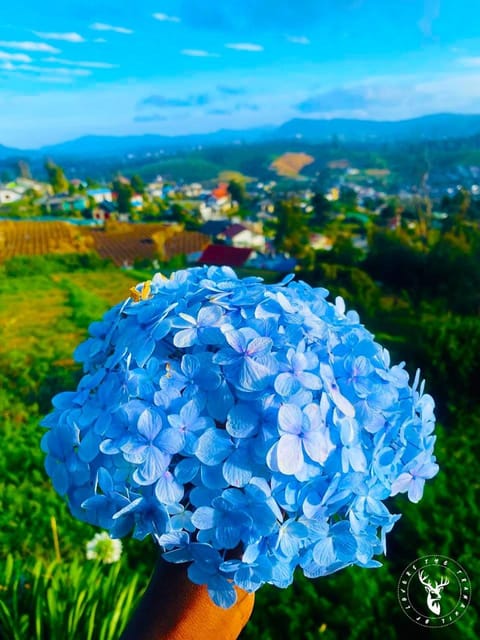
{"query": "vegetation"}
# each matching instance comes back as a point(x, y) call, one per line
point(56, 177)
point(57, 601)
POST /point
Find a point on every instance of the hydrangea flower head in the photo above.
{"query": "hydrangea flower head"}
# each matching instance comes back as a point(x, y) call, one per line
point(249, 428)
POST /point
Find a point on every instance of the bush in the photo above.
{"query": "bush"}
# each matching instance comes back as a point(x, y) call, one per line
point(24, 266)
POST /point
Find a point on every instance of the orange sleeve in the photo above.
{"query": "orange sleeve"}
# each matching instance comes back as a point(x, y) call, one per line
point(173, 608)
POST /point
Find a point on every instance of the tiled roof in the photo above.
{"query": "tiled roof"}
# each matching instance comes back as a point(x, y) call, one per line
point(221, 191)
point(223, 255)
point(233, 230)
point(184, 243)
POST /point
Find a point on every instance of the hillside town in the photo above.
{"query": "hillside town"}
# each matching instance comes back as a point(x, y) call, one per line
point(237, 222)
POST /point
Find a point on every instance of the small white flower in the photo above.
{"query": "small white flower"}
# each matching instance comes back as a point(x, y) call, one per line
point(104, 548)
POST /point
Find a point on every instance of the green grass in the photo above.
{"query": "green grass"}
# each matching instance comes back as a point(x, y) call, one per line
point(57, 601)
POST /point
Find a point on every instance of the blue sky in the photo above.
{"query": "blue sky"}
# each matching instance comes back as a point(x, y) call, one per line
point(76, 67)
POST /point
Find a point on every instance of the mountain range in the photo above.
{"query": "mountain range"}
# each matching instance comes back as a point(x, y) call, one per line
point(431, 127)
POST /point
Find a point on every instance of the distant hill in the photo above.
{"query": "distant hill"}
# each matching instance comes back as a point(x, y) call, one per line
point(123, 145)
point(432, 127)
point(8, 152)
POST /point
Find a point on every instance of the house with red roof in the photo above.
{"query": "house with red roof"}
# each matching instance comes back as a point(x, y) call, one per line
point(216, 203)
point(239, 235)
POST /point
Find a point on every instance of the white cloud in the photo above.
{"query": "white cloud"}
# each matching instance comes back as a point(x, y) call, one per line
point(470, 61)
point(67, 37)
point(198, 53)
point(54, 79)
point(244, 46)
point(16, 57)
point(298, 39)
point(100, 40)
point(163, 17)
point(78, 63)
point(101, 26)
point(60, 71)
point(29, 46)
point(24, 75)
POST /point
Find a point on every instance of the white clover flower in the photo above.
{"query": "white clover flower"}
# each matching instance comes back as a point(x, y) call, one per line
point(104, 548)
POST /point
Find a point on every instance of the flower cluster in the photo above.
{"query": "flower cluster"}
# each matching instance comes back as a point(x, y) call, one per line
point(102, 547)
point(249, 428)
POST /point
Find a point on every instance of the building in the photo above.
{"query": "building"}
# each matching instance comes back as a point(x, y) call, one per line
point(155, 189)
point(101, 194)
point(185, 243)
point(65, 204)
point(137, 201)
point(223, 255)
point(193, 190)
point(7, 195)
point(22, 185)
point(238, 235)
point(216, 204)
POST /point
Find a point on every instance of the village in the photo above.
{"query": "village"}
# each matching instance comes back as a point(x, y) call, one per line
point(234, 221)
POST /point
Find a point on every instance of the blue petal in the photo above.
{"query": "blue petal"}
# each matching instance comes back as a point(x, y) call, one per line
point(213, 447)
point(168, 490)
point(289, 454)
point(89, 447)
point(415, 490)
point(204, 518)
point(290, 418)
point(186, 470)
point(156, 462)
point(149, 425)
point(286, 384)
point(237, 469)
point(324, 552)
point(185, 338)
point(242, 421)
point(224, 598)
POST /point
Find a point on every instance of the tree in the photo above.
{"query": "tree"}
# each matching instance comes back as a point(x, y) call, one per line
point(344, 252)
point(321, 209)
point(179, 213)
point(24, 169)
point(391, 211)
point(237, 191)
point(460, 209)
point(395, 261)
point(56, 177)
point(92, 183)
point(137, 184)
point(291, 232)
point(348, 197)
point(124, 193)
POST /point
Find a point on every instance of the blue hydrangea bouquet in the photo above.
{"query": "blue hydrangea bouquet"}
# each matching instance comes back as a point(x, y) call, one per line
point(249, 428)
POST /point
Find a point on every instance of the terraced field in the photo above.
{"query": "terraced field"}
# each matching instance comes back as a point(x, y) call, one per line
point(123, 244)
point(30, 238)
